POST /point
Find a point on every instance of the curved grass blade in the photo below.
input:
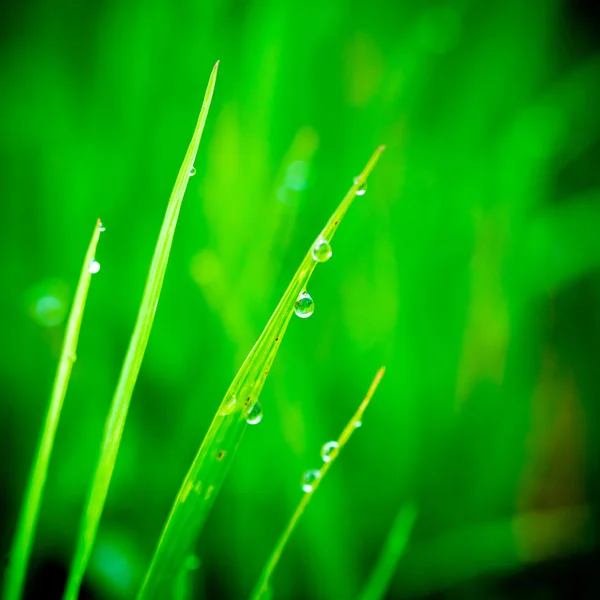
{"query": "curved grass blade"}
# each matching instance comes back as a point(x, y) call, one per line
point(205, 477)
point(14, 579)
point(396, 543)
point(261, 589)
point(133, 360)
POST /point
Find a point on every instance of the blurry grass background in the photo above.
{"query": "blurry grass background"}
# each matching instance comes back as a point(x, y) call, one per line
point(470, 268)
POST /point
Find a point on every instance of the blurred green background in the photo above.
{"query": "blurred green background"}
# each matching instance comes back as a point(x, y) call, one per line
point(471, 268)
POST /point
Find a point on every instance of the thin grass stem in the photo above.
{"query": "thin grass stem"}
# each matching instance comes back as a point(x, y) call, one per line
point(396, 543)
point(262, 585)
point(14, 580)
point(139, 340)
point(211, 464)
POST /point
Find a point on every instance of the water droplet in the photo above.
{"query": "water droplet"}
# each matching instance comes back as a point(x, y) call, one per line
point(321, 251)
point(304, 306)
point(358, 424)
point(308, 480)
point(192, 171)
point(101, 228)
point(362, 190)
point(94, 267)
point(255, 414)
point(329, 451)
point(228, 405)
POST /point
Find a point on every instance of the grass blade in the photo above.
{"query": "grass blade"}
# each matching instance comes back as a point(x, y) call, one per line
point(14, 579)
point(133, 360)
point(396, 543)
point(205, 477)
point(262, 586)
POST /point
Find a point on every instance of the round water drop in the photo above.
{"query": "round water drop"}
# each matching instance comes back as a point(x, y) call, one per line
point(308, 480)
point(362, 190)
point(94, 267)
point(329, 451)
point(255, 414)
point(358, 424)
point(321, 251)
point(304, 306)
point(192, 171)
point(101, 228)
point(228, 405)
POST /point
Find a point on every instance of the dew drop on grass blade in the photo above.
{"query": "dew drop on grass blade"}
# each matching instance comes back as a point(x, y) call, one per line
point(206, 475)
point(310, 482)
point(14, 577)
point(133, 360)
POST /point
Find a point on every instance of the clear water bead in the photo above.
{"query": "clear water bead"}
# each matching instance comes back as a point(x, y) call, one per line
point(358, 424)
point(101, 228)
point(255, 414)
point(321, 251)
point(304, 306)
point(308, 480)
point(329, 451)
point(94, 267)
point(362, 190)
point(192, 171)
point(228, 405)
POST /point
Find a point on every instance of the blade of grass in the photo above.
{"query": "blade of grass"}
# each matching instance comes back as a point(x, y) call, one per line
point(396, 543)
point(133, 360)
point(262, 585)
point(205, 477)
point(16, 570)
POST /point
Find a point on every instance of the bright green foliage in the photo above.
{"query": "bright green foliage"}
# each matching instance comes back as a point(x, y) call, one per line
point(133, 360)
point(263, 586)
point(207, 473)
point(470, 268)
point(14, 577)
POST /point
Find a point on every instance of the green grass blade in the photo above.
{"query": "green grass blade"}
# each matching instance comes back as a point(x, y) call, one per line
point(14, 579)
point(262, 585)
point(209, 468)
point(396, 543)
point(133, 360)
